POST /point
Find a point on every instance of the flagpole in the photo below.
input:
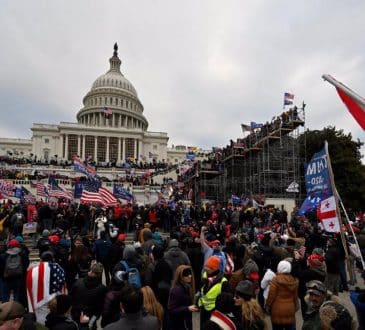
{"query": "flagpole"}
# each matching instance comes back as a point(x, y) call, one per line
point(344, 88)
point(352, 230)
point(343, 239)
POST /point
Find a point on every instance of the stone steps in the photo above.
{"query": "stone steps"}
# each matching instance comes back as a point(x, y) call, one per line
point(34, 253)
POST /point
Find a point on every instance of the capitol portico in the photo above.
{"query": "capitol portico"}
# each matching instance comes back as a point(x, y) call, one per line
point(111, 127)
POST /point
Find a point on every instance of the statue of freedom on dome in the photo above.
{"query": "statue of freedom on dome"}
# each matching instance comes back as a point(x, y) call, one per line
point(115, 49)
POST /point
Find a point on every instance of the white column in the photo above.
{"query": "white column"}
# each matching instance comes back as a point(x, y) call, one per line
point(119, 151)
point(79, 145)
point(135, 148)
point(61, 147)
point(66, 147)
point(96, 149)
point(140, 147)
point(123, 157)
point(83, 147)
point(107, 149)
point(113, 119)
point(120, 120)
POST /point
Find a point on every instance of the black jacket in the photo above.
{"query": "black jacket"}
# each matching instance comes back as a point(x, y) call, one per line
point(61, 322)
point(87, 296)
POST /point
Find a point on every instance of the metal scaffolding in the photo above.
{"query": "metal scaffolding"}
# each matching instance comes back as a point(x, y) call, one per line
point(266, 163)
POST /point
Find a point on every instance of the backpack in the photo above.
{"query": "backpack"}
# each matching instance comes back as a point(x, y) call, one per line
point(134, 277)
point(13, 266)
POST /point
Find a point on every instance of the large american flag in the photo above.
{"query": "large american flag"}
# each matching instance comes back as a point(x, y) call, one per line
point(59, 192)
point(93, 193)
point(42, 189)
point(44, 281)
point(7, 187)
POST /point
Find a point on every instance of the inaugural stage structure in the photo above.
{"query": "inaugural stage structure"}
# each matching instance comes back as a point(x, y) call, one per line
point(263, 164)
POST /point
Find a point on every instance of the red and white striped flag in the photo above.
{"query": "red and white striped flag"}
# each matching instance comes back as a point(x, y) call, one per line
point(354, 102)
point(88, 197)
point(7, 187)
point(60, 192)
point(42, 189)
point(108, 197)
point(44, 282)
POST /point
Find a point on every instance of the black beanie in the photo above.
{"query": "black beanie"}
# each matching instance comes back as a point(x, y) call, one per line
point(63, 303)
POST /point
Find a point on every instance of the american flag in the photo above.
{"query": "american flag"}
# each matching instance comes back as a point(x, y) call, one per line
point(7, 187)
point(56, 190)
point(93, 193)
point(59, 192)
point(44, 281)
point(42, 189)
point(288, 98)
point(108, 111)
point(108, 197)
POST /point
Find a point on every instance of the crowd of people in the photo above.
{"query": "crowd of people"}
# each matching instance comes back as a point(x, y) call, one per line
point(236, 266)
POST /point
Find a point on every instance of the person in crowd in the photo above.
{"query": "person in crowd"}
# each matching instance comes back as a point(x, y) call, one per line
point(265, 283)
point(214, 283)
point(316, 295)
point(252, 315)
point(223, 315)
point(181, 299)
point(59, 316)
point(116, 250)
point(174, 256)
point(358, 299)
point(282, 300)
point(159, 275)
point(315, 269)
point(78, 264)
point(44, 243)
point(333, 264)
point(11, 315)
point(40, 290)
point(111, 307)
point(100, 249)
point(146, 240)
point(133, 315)
point(215, 249)
point(14, 263)
point(152, 305)
point(88, 295)
point(334, 316)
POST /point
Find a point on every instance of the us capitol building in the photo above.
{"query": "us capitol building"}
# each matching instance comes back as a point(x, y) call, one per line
point(111, 126)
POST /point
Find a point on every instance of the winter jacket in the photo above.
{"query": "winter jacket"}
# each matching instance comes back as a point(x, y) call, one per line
point(358, 299)
point(88, 296)
point(175, 257)
point(283, 299)
point(61, 322)
point(306, 275)
point(111, 308)
point(333, 260)
point(180, 318)
point(135, 321)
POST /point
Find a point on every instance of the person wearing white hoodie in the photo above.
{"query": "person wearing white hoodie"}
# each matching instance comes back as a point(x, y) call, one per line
point(266, 281)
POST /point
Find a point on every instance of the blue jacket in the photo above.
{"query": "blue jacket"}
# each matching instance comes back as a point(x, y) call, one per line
point(360, 306)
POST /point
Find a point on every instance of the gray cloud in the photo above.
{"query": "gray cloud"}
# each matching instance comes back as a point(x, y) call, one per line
point(200, 68)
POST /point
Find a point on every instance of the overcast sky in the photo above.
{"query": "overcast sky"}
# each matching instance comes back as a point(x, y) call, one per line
point(201, 68)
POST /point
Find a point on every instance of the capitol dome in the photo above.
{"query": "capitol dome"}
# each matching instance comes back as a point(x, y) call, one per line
point(114, 94)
